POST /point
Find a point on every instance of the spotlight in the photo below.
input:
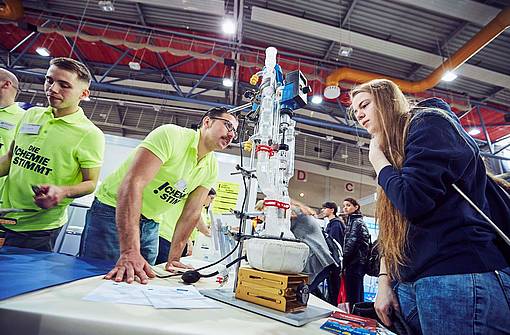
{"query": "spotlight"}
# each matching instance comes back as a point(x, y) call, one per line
point(301, 194)
point(345, 51)
point(316, 99)
point(449, 76)
point(43, 51)
point(332, 92)
point(227, 82)
point(228, 26)
point(134, 66)
point(474, 131)
point(106, 6)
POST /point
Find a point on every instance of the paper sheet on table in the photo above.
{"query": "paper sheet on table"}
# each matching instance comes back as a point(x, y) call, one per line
point(182, 297)
point(118, 293)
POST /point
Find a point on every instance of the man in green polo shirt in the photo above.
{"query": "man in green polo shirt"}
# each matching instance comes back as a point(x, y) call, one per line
point(10, 112)
point(57, 153)
point(172, 171)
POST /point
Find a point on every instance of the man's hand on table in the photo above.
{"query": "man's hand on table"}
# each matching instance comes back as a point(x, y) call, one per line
point(176, 265)
point(131, 264)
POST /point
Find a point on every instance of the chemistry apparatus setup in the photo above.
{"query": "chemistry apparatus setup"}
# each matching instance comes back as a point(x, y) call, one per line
point(272, 285)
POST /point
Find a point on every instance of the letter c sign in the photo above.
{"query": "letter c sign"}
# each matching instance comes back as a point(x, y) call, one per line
point(349, 187)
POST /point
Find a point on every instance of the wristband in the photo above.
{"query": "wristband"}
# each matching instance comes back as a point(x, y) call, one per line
point(382, 274)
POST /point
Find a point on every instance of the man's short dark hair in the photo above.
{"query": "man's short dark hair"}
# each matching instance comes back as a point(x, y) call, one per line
point(72, 65)
point(332, 205)
point(216, 112)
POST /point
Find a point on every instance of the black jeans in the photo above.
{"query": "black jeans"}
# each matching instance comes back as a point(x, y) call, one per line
point(354, 285)
point(43, 240)
point(164, 250)
point(333, 281)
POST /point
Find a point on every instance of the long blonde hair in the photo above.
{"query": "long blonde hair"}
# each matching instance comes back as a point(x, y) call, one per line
point(393, 114)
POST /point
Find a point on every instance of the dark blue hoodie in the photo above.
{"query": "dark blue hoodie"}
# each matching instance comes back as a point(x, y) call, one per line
point(446, 235)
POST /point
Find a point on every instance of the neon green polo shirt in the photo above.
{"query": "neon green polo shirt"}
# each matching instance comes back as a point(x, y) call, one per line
point(9, 118)
point(179, 175)
point(167, 225)
point(49, 150)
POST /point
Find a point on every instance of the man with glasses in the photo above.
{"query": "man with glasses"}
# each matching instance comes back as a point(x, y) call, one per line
point(171, 171)
point(10, 112)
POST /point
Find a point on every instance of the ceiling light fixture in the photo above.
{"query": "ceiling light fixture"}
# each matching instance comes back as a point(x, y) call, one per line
point(106, 6)
point(228, 26)
point(134, 66)
point(474, 131)
point(43, 51)
point(332, 92)
point(449, 76)
point(345, 51)
point(316, 99)
point(227, 82)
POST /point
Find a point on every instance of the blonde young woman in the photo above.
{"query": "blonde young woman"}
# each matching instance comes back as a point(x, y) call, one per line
point(449, 276)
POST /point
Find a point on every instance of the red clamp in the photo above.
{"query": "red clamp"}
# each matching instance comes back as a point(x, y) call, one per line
point(266, 148)
point(276, 203)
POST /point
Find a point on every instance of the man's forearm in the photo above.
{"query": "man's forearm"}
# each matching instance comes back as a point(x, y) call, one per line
point(127, 216)
point(5, 164)
point(79, 190)
point(182, 232)
point(203, 228)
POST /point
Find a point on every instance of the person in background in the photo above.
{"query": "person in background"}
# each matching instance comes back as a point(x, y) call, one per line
point(56, 156)
point(355, 248)
point(203, 225)
point(320, 263)
point(10, 112)
point(450, 276)
point(335, 228)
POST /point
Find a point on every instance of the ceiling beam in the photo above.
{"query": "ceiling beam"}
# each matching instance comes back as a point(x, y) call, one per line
point(443, 47)
point(465, 10)
point(141, 16)
point(492, 93)
point(349, 13)
point(383, 47)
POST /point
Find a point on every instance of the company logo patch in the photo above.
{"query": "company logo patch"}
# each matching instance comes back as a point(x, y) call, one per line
point(31, 159)
point(171, 194)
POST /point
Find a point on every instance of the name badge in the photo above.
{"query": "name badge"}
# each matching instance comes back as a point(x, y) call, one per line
point(6, 125)
point(181, 185)
point(30, 128)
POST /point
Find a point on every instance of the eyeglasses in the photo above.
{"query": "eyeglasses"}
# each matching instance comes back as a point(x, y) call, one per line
point(228, 125)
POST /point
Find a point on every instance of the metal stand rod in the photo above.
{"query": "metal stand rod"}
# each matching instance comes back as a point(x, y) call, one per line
point(243, 220)
point(239, 108)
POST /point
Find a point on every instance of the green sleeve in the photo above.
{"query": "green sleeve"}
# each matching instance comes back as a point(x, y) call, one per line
point(91, 149)
point(210, 181)
point(161, 141)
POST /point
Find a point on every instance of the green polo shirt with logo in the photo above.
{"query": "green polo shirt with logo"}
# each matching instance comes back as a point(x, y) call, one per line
point(179, 175)
point(49, 150)
point(168, 221)
point(9, 118)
